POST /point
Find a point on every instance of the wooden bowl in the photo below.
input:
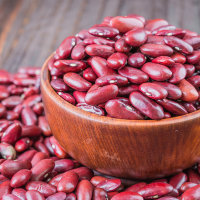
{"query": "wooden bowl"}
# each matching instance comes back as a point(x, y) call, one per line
point(131, 149)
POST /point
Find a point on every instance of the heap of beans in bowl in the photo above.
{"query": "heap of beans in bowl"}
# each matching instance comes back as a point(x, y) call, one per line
point(129, 68)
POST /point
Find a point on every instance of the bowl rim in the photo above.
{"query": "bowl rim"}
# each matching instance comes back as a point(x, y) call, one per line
point(45, 76)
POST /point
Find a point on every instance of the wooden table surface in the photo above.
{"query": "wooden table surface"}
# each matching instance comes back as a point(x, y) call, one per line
point(30, 30)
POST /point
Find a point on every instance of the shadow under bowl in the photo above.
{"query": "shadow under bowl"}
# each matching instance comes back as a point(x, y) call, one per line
point(133, 149)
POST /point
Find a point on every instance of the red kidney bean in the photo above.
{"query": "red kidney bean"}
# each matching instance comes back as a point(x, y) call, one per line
point(28, 155)
point(76, 82)
point(156, 72)
point(7, 151)
point(194, 41)
point(39, 146)
point(189, 70)
point(68, 182)
point(89, 75)
point(84, 34)
point(4, 126)
point(31, 131)
point(136, 187)
point(178, 44)
point(178, 73)
point(103, 51)
point(155, 190)
point(55, 180)
point(155, 23)
point(10, 115)
point(193, 58)
point(44, 125)
point(65, 48)
point(57, 196)
point(47, 143)
point(117, 60)
point(59, 85)
point(118, 109)
point(20, 178)
point(153, 90)
point(30, 91)
point(5, 188)
point(111, 79)
point(155, 50)
point(135, 76)
point(44, 188)
point(177, 33)
point(103, 31)
point(12, 101)
point(92, 109)
point(95, 97)
point(38, 108)
point(55, 72)
point(178, 58)
point(193, 176)
point(3, 178)
point(32, 100)
point(10, 167)
point(146, 106)
point(17, 91)
point(173, 107)
point(100, 67)
point(136, 37)
point(5, 77)
point(136, 60)
point(78, 52)
point(166, 27)
point(173, 91)
point(12, 133)
point(168, 198)
point(191, 193)
point(98, 40)
point(67, 97)
point(84, 190)
point(42, 169)
point(3, 92)
point(95, 180)
point(154, 39)
point(177, 180)
point(2, 110)
point(109, 185)
point(127, 195)
point(24, 82)
point(70, 65)
point(20, 193)
point(122, 46)
point(28, 116)
point(58, 150)
point(111, 194)
point(194, 80)
point(63, 165)
point(185, 186)
point(189, 107)
point(163, 60)
point(71, 196)
point(141, 18)
point(31, 71)
point(126, 90)
point(32, 195)
point(50, 176)
point(99, 194)
point(18, 109)
point(38, 157)
point(189, 93)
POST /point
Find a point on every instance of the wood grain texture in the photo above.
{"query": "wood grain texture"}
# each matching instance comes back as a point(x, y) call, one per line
point(31, 30)
point(123, 148)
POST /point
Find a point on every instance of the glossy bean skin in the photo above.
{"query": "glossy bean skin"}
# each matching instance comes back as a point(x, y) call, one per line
point(31, 131)
point(44, 188)
point(7, 151)
point(78, 52)
point(189, 107)
point(136, 60)
point(11, 115)
point(193, 58)
point(168, 198)
point(90, 108)
point(118, 109)
point(84, 173)
point(79, 96)
point(100, 67)
point(136, 37)
point(20, 178)
point(95, 97)
point(98, 40)
point(154, 39)
point(178, 58)
point(39, 146)
point(126, 90)
point(28, 155)
point(178, 73)
point(32, 100)
point(12, 133)
point(189, 93)
point(9, 197)
point(38, 157)
point(155, 23)
point(117, 60)
point(163, 60)
point(177, 180)
point(22, 144)
point(146, 106)
point(38, 108)
point(111, 79)
point(3, 92)
point(127, 195)
point(28, 116)
point(57, 196)
point(95, 180)
point(177, 33)
point(67, 97)
point(44, 125)
point(135, 76)
point(122, 46)
point(76, 82)
point(65, 48)
point(156, 72)
point(24, 82)
point(31, 195)
point(2, 110)
point(172, 107)
point(68, 182)
point(194, 41)
point(103, 51)
point(89, 75)
point(185, 186)
point(193, 176)
point(59, 85)
point(19, 193)
point(63, 165)
point(156, 50)
point(124, 24)
point(136, 187)
point(99, 194)
point(104, 31)
point(191, 193)
point(11, 167)
point(5, 188)
point(84, 34)
point(153, 190)
point(189, 70)
point(178, 44)
point(12, 101)
point(194, 80)
point(84, 190)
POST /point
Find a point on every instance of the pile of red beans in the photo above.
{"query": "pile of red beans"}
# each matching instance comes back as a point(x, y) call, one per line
point(129, 68)
point(33, 166)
